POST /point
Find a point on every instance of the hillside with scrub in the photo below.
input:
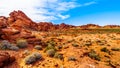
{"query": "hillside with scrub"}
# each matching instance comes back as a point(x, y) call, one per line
point(27, 44)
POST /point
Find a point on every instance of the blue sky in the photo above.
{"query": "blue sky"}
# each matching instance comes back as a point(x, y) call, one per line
point(102, 12)
point(75, 12)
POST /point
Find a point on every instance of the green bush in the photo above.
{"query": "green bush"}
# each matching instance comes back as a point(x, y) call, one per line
point(33, 58)
point(59, 56)
point(92, 54)
point(105, 50)
point(51, 42)
point(51, 52)
point(72, 58)
point(22, 43)
point(38, 47)
point(37, 55)
point(49, 47)
point(30, 59)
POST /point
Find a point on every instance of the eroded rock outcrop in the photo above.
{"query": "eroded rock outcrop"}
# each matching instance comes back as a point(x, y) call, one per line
point(19, 25)
point(48, 26)
point(5, 59)
point(18, 19)
point(3, 24)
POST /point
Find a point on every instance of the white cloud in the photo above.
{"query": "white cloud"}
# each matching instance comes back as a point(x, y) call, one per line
point(63, 16)
point(39, 10)
point(89, 3)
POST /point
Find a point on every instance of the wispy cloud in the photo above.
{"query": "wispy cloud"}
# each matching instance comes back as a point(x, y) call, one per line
point(40, 10)
point(89, 3)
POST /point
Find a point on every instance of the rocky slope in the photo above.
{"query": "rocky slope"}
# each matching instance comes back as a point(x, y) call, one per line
point(27, 44)
point(19, 25)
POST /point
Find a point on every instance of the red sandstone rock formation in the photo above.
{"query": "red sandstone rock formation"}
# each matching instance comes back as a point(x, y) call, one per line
point(5, 59)
point(48, 26)
point(19, 25)
point(45, 26)
point(19, 20)
point(90, 26)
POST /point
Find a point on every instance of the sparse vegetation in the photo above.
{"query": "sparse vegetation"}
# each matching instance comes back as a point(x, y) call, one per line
point(33, 58)
point(49, 47)
point(92, 54)
point(75, 45)
point(21, 43)
point(51, 52)
point(88, 43)
point(38, 47)
point(13, 47)
point(72, 58)
point(115, 49)
point(59, 56)
point(59, 47)
point(6, 45)
point(51, 42)
point(104, 49)
point(101, 42)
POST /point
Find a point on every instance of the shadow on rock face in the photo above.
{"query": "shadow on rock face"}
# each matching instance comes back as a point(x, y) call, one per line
point(6, 60)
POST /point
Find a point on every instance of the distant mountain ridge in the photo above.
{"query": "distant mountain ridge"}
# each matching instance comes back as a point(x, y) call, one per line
point(19, 20)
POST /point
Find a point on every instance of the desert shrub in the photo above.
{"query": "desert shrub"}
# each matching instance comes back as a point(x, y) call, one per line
point(65, 46)
point(49, 47)
point(75, 45)
point(38, 47)
point(115, 49)
point(59, 47)
point(51, 52)
point(88, 43)
point(30, 59)
point(105, 50)
point(6, 45)
point(15, 48)
point(92, 54)
point(69, 41)
point(101, 42)
point(72, 58)
point(51, 42)
point(59, 56)
point(33, 58)
point(37, 55)
point(22, 43)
